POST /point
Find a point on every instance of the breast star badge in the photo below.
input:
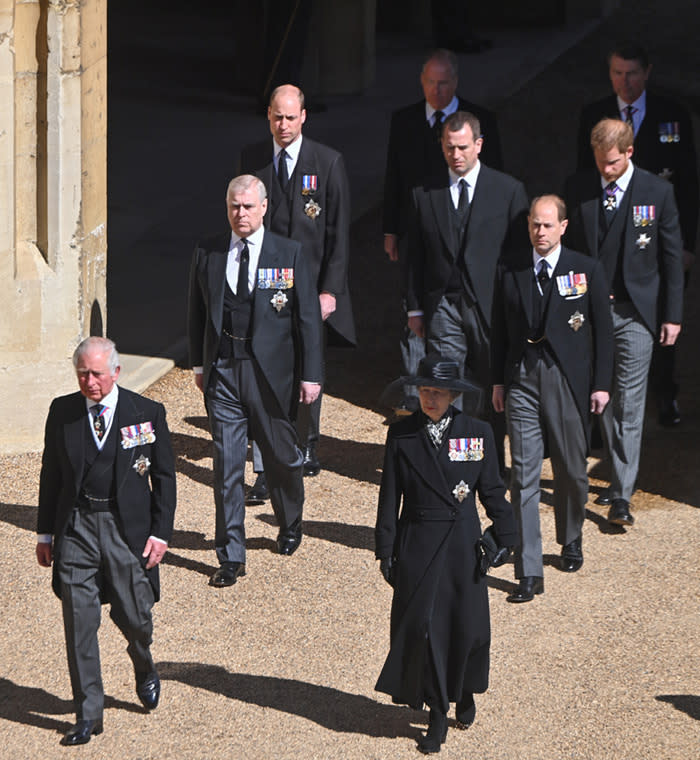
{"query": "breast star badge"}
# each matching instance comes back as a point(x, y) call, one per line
point(279, 300)
point(576, 320)
point(460, 491)
point(312, 209)
point(141, 465)
point(643, 241)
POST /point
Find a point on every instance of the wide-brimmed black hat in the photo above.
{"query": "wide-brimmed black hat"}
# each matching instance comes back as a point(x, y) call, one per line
point(437, 371)
point(434, 371)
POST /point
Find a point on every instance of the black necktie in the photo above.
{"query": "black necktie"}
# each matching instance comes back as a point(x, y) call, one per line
point(282, 172)
point(98, 421)
point(628, 115)
point(437, 125)
point(242, 284)
point(543, 275)
point(463, 202)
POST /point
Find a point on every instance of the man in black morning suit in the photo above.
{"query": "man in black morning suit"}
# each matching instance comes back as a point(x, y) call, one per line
point(414, 153)
point(663, 145)
point(254, 331)
point(552, 365)
point(466, 217)
point(309, 201)
point(627, 218)
point(106, 506)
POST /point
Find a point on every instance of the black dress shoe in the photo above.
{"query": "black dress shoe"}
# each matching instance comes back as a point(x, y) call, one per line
point(527, 588)
point(604, 499)
point(572, 556)
point(619, 513)
point(465, 712)
point(670, 414)
point(227, 574)
point(148, 689)
point(259, 492)
point(436, 734)
point(311, 464)
point(289, 540)
point(81, 732)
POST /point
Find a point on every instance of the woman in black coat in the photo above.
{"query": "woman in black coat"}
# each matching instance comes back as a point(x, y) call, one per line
point(428, 541)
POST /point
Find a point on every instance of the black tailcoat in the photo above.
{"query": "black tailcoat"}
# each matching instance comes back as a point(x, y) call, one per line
point(440, 604)
point(652, 265)
point(414, 154)
point(584, 354)
point(275, 333)
point(325, 240)
point(145, 504)
point(671, 159)
point(497, 222)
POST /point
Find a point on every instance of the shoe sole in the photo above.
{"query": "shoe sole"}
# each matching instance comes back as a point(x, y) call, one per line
point(621, 521)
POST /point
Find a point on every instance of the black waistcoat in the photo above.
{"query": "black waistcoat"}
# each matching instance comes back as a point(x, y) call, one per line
point(98, 476)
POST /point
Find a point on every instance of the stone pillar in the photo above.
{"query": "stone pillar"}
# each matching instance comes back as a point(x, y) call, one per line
point(53, 202)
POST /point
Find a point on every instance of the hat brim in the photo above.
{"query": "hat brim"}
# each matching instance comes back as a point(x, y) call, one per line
point(393, 394)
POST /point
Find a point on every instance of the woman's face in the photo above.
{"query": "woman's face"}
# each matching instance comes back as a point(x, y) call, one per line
point(434, 401)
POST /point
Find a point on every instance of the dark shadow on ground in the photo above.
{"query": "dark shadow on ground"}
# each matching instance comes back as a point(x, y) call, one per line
point(22, 516)
point(331, 708)
point(687, 703)
point(352, 536)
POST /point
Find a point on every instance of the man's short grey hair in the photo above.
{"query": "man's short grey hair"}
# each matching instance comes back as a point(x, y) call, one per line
point(104, 345)
point(244, 182)
point(446, 58)
point(276, 92)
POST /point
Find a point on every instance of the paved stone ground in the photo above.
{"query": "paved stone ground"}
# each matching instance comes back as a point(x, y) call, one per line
point(604, 664)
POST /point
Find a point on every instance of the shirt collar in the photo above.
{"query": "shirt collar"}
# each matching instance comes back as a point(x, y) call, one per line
point(254, 239)
point(471, 176)
point(110, 400)
point(552, 258)
point(640, 104)
point(292, 149)
point(450, 108)
point(623, 181)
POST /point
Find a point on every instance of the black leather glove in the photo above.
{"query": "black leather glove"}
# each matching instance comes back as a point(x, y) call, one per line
point(492, 554)
point(386, 567)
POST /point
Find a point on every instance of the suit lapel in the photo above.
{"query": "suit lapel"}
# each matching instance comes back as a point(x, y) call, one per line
point(423, 457)
point(440, 200)
point(523, 279)
point(74, 440)
point(216, 281)
point(125, 414)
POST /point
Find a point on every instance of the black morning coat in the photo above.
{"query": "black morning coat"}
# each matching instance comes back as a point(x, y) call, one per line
point(145, 504)
point(440, 611)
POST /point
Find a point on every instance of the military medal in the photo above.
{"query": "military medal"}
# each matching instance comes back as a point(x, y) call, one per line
point(460, 491)
point(276, 278)
point(572, 284)
point(670, 132)
point(643, 240)
point(465, 449)
point(309, 184)
point(576, 320)
point(137, 435)
point(141, 465)
point(312, 209)
point(643, 216)
point(610, 203)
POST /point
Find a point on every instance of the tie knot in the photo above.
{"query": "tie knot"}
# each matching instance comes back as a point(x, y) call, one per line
point(438, 117)
point(244, 250)
point(611, 188)
point(543, 271)
point(97, 409)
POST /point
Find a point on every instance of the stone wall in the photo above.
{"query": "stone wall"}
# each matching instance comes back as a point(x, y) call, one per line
point(53, 209)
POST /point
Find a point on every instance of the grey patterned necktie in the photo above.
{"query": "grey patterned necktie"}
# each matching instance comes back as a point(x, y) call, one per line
point(98, 420)
point(436, 430)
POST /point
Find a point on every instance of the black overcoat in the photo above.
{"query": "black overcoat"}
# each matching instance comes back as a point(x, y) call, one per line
point(440, 614)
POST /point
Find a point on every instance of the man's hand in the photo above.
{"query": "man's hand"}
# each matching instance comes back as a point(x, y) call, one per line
point(599, 400)
point(498, 398)
point(44, 554)
point(669, 333)
point(417, 326)
point(308, 392)
point(327, 303)
point(391, 247)
point(154, 550)
point(199, 380)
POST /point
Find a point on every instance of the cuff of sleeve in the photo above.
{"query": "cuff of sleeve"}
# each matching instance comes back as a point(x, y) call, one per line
point(198, 370)
point(44, 538)
point(159, 540)
point(414, 313)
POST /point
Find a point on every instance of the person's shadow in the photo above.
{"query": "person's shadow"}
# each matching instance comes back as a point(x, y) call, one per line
point(331, 708)
point(30, 705)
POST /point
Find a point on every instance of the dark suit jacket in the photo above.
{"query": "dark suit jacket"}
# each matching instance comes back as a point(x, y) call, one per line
point(145, 504)
point(584, 355)
point(652, 272)
point(497, 222)
point(324, 240)
point(414, 155)
point(276, 334)
point(652, 154)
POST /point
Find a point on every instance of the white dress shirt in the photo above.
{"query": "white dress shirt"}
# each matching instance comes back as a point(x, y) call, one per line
point(292, 155)
point(552, 259)
point(449, 109)
point(255, 241)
